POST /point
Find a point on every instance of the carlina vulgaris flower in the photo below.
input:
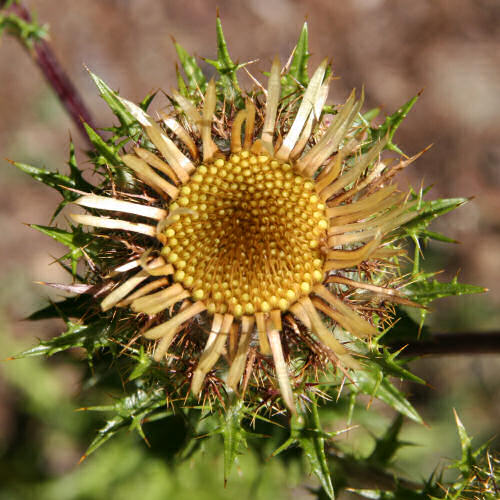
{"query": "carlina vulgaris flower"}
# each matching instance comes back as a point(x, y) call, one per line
point(259, 234)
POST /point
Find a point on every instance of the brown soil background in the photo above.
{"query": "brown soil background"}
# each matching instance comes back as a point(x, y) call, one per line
point(449, 48)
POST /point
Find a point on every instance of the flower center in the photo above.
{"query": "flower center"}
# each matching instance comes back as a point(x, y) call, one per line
point(245, 233)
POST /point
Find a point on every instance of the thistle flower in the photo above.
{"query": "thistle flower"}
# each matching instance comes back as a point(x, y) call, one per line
point(245, 245)
point(264, 215)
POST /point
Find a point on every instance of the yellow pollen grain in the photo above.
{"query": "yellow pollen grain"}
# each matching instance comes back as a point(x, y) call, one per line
point(172, 257)
point(283, 304)
point(317, 276)
point(179, 275)
point(249, 308)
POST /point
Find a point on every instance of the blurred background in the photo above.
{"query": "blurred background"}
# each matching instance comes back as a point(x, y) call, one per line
point(395, 48)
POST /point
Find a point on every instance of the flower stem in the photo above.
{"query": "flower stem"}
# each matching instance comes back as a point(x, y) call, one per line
point(57, 78)
point(443, 344)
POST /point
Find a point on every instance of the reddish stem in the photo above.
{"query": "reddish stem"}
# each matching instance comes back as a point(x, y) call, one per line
point(58, 79)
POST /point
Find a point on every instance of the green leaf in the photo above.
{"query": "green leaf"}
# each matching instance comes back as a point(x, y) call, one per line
point(297, 77)
point(181, 84)
point(425, 291)
point(372, 381)
point(225, 63)
point(53, 179)
point(233, 434)
point(467, 461)
point(227, 85)
point(146, 102)
point(298, 66)
point(144, 362)
point(425, 234)
point(430, 210)
point(75, 172)
point(71, 307)
point(381, 360)
point(107, 155)
point(390, 126)
point(77, 241)
point(308, 432)
point(28, 32)
point(305, 430)
point(113, 101)
point(91, 337)
point(196, 80)
point(59, 182)
point(390, 365)
point(370, 115)
point(130, 412)
point(388, 444)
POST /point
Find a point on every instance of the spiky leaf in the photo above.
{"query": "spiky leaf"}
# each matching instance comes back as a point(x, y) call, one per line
point(375, 383)
point(425, 291)
point(388, 444)
point(112, 100)
point(107, 156)
point(91, 337)
point(390, 126)
point(130, 411)
point(76, 240)
point(233, 434)
point(196, 81)
point(297, 76)
point(430, 210)
point(227, 86)
point(311, 439)
point(306, 431)
point(72, 307)
point(59, 182)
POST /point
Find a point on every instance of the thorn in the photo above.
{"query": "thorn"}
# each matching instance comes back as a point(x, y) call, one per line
point(82, 458)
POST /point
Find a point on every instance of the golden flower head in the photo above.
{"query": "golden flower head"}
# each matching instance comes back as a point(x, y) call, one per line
point(267, 215)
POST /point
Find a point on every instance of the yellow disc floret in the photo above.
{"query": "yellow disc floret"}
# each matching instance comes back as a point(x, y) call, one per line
point(246, 235)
